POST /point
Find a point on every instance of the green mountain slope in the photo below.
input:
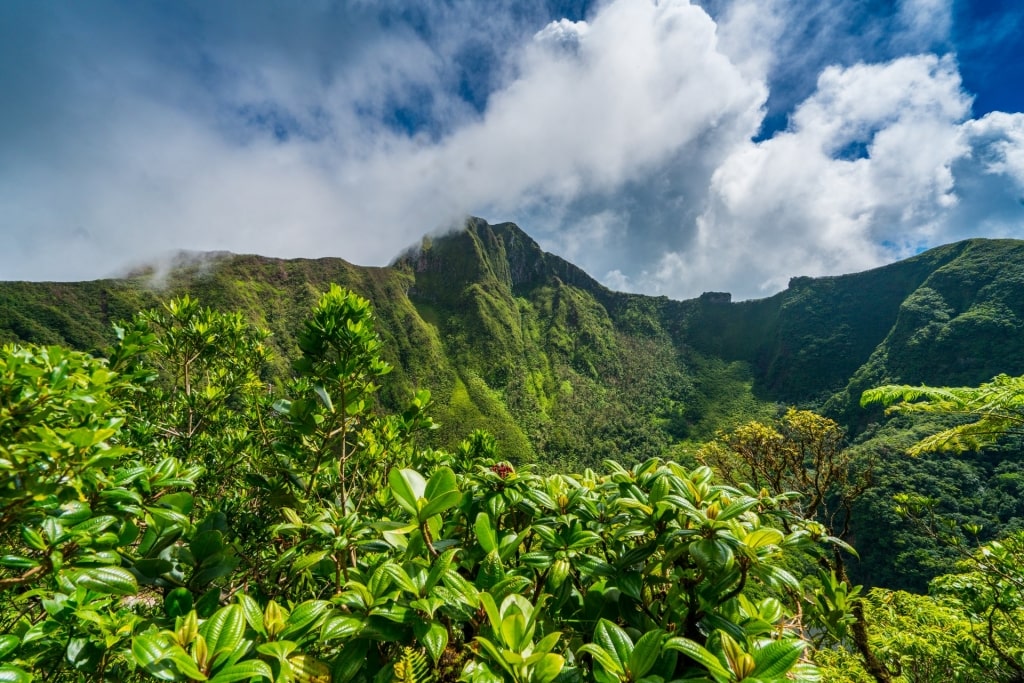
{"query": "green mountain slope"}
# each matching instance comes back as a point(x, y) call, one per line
point(528, 346)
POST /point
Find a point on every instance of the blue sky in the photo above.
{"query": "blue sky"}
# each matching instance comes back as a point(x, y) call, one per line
point(667, 147)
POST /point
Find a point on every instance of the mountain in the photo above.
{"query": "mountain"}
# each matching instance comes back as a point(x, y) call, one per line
point(525, 344)
point(567, 372)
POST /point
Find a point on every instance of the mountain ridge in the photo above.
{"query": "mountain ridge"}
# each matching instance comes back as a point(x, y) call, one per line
point(502, 331)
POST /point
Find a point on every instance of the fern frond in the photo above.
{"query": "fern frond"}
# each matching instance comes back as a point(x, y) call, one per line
point(412, 667)
point(996, 406)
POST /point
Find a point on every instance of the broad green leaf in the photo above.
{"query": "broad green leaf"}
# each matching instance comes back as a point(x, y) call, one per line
point(224, 631)
point(33, 538)
point(243, 671)
point(351, 661)
point(304, 618)
point(306, 561)
point(400, 577)
point(324, 397)
point(441, 481)
point(485, 532)
point(206, 544)
point(699, 654)
point(340, 627)
point(208, 603)
point(435, 640)
point(181, 501)
point(8, 644)
point(153, 567)
point(614, 641)
point(18, 562)
point(253, 613)
point(777, 658)
point(111, 580)
point(602, 657)
point(645, 653)
point(438, 504)
point(178, 602)
point(12, 674)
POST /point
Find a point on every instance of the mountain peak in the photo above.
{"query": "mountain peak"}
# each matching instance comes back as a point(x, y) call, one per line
point(480, 252)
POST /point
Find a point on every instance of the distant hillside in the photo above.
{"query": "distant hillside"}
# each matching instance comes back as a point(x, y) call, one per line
point(523, 343)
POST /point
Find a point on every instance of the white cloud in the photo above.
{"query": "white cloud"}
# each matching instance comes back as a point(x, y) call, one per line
point(625, 142)
point(866, 163)
point(588, 108)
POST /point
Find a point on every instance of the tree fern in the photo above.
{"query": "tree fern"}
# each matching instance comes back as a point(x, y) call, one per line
point(996, 408)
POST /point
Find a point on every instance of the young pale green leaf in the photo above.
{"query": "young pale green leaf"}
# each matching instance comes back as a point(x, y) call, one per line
point(493, 614)
point(309, 669)
point(547, 643)
point(407, 486)
point(736, 509)
point(278, 649)
point(764, 537)
point(514, 632)
point(547, 669)
point(495, 654)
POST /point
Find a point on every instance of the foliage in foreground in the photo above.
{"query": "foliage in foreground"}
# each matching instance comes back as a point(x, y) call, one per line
point(166, 514)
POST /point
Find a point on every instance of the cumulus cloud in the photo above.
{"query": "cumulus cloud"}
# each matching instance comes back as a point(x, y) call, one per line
point(666, 147)
point(878, 163)
point(276, 158)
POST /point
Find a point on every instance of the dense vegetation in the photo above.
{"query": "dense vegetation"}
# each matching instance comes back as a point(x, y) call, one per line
point(168, 514)
point(566, 374)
